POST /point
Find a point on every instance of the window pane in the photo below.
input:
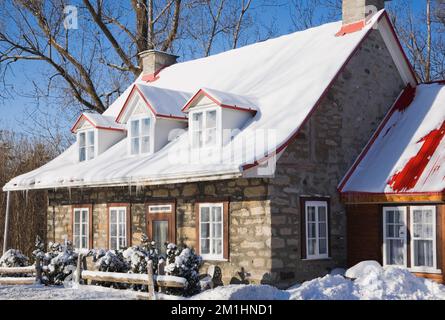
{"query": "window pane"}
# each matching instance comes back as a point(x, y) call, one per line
point(76, 216)
point(113, 243)
point(84, 216)
point(84, 229)
point(216, 214)
point(311, 247)
point(91, 138)
point(113, 230)
point(197, 121)
point(134, 128)
point(323, 248)
point(423, 253)
point(395, 252)
point(145, 145)
point(160, 234)
point(135, 146)
point(122, 242)
point(211, 119)
point(205, 246)
point(205, 214)
point(145, 126)
point(76, 242)
point(310, 214)
point(121, 229)
point(217, 247)
point(82, 141)
point(205, 230)
point(84, 242)
point(76, 230)
point(217, 229)
point(82, 154)
point(311, 230)
point(390, 217)
point(113, 216)
point(122, 214)
point(322, 230)
point(321, 214)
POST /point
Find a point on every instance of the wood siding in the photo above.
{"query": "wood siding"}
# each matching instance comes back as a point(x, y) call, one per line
point(365, 236)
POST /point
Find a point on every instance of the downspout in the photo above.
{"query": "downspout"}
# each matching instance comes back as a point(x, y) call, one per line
point(5, 234)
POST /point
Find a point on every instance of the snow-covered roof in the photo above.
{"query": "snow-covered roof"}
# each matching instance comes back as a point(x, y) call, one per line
point(98, 121)
point(162, 102)
point(407, 154)
point(286, 77)
point(224, 99)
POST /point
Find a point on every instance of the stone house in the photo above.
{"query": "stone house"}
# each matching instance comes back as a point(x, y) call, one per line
point(238, 155)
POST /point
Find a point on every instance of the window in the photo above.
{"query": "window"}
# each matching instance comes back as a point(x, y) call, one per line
point(118, 228)
point(81, 228)
point(140, 136)
point(204, 129)
point(211, 231)
point(423, 238)
point(86, 145)
point(394, 236)
point(316, 217)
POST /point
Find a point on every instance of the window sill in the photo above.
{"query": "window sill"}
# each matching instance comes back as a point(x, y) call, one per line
point(430, 271)
point(317, 259)
point(214, 259)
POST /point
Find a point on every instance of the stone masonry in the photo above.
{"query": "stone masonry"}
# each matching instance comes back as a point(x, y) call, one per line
point(265, 214)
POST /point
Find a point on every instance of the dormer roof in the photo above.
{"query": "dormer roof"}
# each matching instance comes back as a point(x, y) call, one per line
point(224, 100)
point(97, 121)
point(163, 103)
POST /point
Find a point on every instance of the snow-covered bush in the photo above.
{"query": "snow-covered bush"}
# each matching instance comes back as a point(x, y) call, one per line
point(14, 258)
point(183, 262)
point(59, 262)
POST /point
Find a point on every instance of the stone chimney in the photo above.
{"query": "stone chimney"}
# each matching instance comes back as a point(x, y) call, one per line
point(355, 13)
point(358, 10)
point(154, 61)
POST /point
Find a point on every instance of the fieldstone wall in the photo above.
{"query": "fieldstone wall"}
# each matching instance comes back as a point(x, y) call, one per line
point(249, 219)
point(314, 164)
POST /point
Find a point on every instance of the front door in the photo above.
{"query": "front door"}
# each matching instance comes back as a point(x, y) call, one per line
point(161, 224)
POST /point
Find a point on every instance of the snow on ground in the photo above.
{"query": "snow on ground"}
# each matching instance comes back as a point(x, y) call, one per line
point(374, 283)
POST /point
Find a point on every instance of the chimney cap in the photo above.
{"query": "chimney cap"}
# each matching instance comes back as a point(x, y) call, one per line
point(154, 51)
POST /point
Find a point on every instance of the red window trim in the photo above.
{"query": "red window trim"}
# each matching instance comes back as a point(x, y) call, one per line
point(90, 223)
point(168, 216)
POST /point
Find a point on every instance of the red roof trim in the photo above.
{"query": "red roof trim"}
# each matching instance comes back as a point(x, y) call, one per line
point(222, 105)
point(74, 128)
point(135, 88)
point(297, 132)
point(351, 28)
point(400, 103)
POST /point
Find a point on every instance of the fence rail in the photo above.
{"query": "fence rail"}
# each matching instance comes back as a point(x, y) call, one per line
point(35, 270)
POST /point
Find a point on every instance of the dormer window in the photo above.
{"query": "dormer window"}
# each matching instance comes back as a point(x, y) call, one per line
point(87, 148)
point(140, 135)
point(204, 128)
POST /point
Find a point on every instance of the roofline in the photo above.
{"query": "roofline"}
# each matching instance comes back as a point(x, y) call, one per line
point(219, 103)
point(225, 175)
point(391, 197)
point(153, 110)
point(400, 101)
point(93, 124)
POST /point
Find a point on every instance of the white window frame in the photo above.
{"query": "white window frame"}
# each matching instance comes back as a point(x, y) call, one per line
point(432, 269)
point(403, 209)
point(87, 223)
point(118, 235)
point(317, 254)
point(151, 134)
point(209, 256)
point(218, 137)
point(87, 145)
point(160, 208)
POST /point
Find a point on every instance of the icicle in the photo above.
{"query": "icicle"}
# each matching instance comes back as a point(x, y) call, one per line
point(69, 193)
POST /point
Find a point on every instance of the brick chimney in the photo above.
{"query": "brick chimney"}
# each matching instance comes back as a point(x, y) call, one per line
point(355, 13)
point(154, 61)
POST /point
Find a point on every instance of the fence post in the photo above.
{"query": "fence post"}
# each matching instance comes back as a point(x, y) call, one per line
point(151, 288)
point(78, 268)
point(38, 270)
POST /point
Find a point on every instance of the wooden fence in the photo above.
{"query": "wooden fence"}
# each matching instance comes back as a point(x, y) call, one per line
point(149, 280)
point(35, 271)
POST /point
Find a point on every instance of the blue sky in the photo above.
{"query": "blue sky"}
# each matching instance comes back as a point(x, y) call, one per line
point(17, 109)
